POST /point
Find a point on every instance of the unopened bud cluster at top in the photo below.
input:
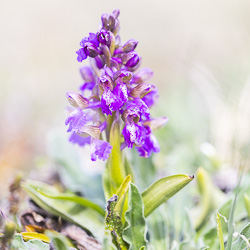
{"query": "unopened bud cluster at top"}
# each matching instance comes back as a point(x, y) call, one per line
point(113, 88)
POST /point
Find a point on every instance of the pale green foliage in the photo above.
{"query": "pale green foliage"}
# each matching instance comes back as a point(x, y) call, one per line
point(18, 243)
point(68, 210)
point(161, 190)
point(135, 231)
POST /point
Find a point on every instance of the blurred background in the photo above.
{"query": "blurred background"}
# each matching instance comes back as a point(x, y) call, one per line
point(198, 50)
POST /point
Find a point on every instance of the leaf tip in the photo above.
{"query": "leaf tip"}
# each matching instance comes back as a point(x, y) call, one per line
point(191, 177)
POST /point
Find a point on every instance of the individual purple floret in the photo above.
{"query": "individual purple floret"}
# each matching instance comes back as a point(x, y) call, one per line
point(89, 47)
point(117, 92)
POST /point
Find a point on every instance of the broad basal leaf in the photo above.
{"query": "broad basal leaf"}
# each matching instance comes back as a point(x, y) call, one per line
point(85, 217)
point(135, 231)
point(163, 189)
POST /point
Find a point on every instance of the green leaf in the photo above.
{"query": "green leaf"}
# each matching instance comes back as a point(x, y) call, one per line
point(219, 231)
point(59, 241)
point(68, 210)
point(18, 243)
point(163, 189)
point(247, 203)
point(78, 200)
point(114, 223)
point(243, 240)
point(135, 231)
point(115, 172)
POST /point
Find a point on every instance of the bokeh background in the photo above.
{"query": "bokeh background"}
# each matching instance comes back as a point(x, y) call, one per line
point(198, 50)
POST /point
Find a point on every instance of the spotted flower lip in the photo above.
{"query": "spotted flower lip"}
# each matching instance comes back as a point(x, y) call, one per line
point(113, 90)
point(134, 134)
point(100, 150)
point(114, 100)
point(76, 120)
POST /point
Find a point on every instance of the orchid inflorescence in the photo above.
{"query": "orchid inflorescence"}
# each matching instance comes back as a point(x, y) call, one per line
point(113, 91)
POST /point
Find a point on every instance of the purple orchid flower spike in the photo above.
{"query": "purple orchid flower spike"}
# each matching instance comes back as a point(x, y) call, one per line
point(117, 92)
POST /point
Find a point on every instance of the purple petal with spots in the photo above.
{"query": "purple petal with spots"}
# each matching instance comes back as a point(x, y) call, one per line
point(112, 101)
point(150, 146)
point(121, 92)
point(134, 133)
point(80, 140)
point(100, 150)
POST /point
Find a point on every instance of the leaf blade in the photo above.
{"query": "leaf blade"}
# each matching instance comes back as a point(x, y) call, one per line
point(163, 189)
point(134, 233)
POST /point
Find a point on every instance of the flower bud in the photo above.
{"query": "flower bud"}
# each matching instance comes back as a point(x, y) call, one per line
point(105, 18)
point(116, 13)
point(112, 43)
point(89, 130)
point(77, 100)
point(116, 28)
point(130, 59)
point(130, 45)
point(143, 75)
point(103, 37)
point(111, 21)
point(106, 53)
point(87, 74)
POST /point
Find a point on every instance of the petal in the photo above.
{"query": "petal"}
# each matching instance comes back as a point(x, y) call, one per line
point(134, 133)
point(87, 74)
point(151, 98)
point(121, 92)
point(109, 102)
point(81, 55)
point(77, 139)
point(93, 39)
point(76, 120)
point(100, 150)
point(150, 146)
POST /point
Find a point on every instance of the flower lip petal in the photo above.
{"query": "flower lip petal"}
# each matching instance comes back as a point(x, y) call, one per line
point(100, 149)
